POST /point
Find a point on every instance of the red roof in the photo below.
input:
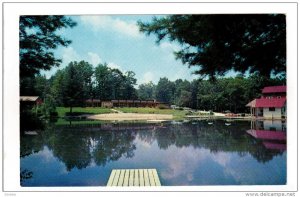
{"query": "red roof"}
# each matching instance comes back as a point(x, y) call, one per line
point(267, 135)
point(274, 89)
point(251, 103)
point(270, 102)
point(276, 146)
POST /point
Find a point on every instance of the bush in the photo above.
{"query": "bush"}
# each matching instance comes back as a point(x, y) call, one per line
point(48, 107)
point(162, 106)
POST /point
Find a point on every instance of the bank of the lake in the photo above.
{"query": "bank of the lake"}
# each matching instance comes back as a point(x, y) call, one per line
point(131, 113)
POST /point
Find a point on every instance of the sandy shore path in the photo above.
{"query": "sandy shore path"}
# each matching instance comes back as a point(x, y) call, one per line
point(131, 116)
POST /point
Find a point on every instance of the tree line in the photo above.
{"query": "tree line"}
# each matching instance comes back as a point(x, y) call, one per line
point(220, 95)
point(79, 81)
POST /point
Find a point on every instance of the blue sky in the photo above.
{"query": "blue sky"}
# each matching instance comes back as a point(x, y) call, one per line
point(115, 39)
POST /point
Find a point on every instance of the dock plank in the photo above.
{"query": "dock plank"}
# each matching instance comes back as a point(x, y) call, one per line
point(151, 177)
point(126, 178)
point(111, 178)
point(116, 178)
point(146, 177)
point(133, 177)
point(121, 178)
point(156, 178)
point(136, 178)
point(141, 175)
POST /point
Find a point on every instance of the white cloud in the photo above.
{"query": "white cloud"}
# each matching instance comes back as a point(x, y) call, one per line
point(130, 29)
point(183, 73)
point(113, 65)
point(98, 23)
point(147, 77)
point(69, 55)
point(222, 158)
point(94, 58)
point(178, 167)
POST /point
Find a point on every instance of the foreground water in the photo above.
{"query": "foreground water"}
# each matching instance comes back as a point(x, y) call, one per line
point(184, 153)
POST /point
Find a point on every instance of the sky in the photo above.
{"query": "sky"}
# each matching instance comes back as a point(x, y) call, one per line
point(116, 40)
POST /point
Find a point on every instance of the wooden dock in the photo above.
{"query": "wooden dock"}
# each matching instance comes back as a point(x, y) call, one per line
point(133, 177)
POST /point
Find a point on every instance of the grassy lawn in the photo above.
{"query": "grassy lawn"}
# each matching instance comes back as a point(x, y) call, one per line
point(177, 114)
point(62, 121)
point(88, 110)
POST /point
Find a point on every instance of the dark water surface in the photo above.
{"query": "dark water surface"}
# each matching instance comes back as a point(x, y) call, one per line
point(184, 153)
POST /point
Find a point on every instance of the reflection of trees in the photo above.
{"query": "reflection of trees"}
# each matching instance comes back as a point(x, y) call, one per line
point(113, 145)
point(216, 137)
point(72, 148)
point(25, 174)
point(30, 145)
point(77, 147)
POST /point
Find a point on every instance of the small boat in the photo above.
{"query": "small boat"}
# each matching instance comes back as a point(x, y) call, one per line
point(210, 123)
point(227, 123)
point(176, 122)
point(30, 133)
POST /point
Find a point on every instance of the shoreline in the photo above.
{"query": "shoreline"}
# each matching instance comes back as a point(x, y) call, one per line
point(164, 117)
point(131, 116)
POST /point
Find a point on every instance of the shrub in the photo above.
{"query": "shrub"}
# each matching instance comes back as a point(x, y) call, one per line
point(162, 106)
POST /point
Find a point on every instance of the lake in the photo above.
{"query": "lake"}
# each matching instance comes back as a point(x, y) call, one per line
point(184, 153)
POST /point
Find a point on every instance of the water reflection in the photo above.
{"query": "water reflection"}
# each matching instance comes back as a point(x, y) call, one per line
point(176, 150)
point(272, 133)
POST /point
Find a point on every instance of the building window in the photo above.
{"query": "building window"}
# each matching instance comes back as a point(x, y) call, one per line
point(271, 108)
point(272, 128)
point(278, 96)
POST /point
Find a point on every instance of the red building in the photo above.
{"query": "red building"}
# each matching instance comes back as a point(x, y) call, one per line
point(271, 105)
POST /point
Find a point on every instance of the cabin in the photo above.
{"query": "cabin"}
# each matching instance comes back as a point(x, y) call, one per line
point(271, 105)
point(123, 103)
point(93, 103)
point(130, 103)
point(31, 100)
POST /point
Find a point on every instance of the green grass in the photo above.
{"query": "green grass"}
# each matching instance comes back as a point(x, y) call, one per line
point(62, 121)
point(177, 114)
point(89, 110)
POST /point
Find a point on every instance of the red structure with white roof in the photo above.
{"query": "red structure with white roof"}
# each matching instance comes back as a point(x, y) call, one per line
point(271, 105)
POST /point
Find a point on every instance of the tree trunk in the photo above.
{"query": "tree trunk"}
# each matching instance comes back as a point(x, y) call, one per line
point(70, 110)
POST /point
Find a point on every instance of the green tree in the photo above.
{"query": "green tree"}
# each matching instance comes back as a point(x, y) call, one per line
point(194, 91)
point(58, 87)
point(38, 37)
point(183, 94)
point(72, 85)
point(129, 91)
point(102, 89)
point(85, 73)
point(42, 86)
point(165, 90)
point(146, 91)
point(116, 80)
point(111, 83)
point(218, 43)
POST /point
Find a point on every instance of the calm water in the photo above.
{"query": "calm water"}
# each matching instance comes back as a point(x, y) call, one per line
point(184, 153)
